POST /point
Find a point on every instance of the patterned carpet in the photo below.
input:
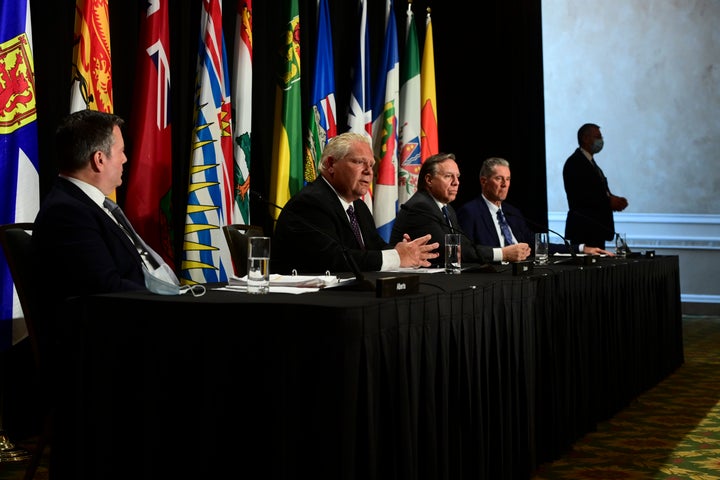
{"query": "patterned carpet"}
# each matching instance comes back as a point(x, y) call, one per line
point(672, 432)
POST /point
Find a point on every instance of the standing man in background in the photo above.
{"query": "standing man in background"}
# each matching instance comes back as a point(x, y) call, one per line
point(590, 202)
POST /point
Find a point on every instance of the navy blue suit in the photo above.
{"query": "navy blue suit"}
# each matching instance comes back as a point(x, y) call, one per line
point(313, 234)
point(476, 221)
point(80, 249)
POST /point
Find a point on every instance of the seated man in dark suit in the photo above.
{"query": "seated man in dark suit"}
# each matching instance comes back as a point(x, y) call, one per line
point(426, 211)
point(327, 226)
point(481, 219)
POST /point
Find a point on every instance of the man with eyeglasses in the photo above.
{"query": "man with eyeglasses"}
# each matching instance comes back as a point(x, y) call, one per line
point(326, 226)
point(429, 210)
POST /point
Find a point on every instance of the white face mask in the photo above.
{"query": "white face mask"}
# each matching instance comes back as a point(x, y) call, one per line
point(164, 282)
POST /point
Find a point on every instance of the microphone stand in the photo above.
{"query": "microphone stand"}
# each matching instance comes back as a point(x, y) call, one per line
point(574, 258)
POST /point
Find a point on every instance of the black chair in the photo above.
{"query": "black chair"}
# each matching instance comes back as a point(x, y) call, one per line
point(15, 241)
point(237, 239)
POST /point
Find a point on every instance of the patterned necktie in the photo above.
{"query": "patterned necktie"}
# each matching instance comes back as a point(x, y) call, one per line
point(124, 223)
point(504, 228)
point(355, 226)
point(446, 215)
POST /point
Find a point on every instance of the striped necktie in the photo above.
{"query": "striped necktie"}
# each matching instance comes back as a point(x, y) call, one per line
point(124, 223)
point(355, 225)
point(504, 228)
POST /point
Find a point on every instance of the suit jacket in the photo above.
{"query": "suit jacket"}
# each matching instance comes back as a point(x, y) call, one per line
point(313, 234)
point(590, 216)
point(81, 250)
point(421, 216)
point(476, 220)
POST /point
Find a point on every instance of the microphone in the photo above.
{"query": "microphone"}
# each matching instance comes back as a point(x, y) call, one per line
point(567, 243)
point(360, 282)
point(574, 259)
point(616, 235)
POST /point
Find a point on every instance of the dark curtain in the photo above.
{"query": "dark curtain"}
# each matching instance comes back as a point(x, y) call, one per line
point(488, 69)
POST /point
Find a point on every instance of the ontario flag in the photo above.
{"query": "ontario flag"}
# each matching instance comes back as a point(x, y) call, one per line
point(385, 131)
point(206, 257)
point(322, 124)
point(286, 175)
point(148, 204)
point(429, 136)
point(242, 109)
point(409, 135)
point(19, 164)
point(91, 82)
point(360, 110)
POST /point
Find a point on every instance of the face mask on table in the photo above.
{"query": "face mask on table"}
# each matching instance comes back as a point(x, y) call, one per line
point(164, 282)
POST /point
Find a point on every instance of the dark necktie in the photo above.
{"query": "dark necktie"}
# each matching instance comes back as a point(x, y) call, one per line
point(446, 215)
point(124, 223)
point(355, 226)
point(504, 228)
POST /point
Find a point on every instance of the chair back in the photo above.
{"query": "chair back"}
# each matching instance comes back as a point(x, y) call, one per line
point(237, 239)
point(15, 241)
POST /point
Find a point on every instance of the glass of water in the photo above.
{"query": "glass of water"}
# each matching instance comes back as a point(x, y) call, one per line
point(258, 276)
point(452, 253)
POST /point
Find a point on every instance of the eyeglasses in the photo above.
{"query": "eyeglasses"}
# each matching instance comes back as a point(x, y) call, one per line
point(361, 163)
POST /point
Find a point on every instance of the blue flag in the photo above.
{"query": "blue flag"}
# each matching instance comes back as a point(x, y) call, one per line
point(19, 179)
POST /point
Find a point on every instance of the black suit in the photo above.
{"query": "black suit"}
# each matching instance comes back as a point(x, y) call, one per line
point(313, 234)
point(590, 216)
point(421, 216)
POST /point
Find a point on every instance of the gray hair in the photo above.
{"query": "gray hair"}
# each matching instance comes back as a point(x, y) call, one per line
point(489, 165)
point(338, 147)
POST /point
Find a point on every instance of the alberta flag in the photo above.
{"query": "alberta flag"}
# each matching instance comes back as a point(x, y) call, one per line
point(322, 124)
point(19, 179)
point(206, 257)
point(385, 129)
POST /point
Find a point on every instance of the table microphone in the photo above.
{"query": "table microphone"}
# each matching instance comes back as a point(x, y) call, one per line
point(574, 259)
point(360, 282)
point(604, 227)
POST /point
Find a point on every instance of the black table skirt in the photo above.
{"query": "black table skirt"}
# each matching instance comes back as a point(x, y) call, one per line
point(479, 375)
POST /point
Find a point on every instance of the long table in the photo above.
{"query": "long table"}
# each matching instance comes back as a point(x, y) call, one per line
point(479, 375)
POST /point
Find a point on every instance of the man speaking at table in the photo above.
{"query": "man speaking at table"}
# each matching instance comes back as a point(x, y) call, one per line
point(326, 226)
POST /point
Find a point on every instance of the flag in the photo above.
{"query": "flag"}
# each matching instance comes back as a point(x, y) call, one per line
point(91, 82)
point(206, 257)
point(148, 204)
point(360, 111)
point(429, 135)
point(409, 117)
point(322, 124)
point(385, 134)
point(19, 165)
point(286, 176)
point(91, 70)
point(242, 109)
